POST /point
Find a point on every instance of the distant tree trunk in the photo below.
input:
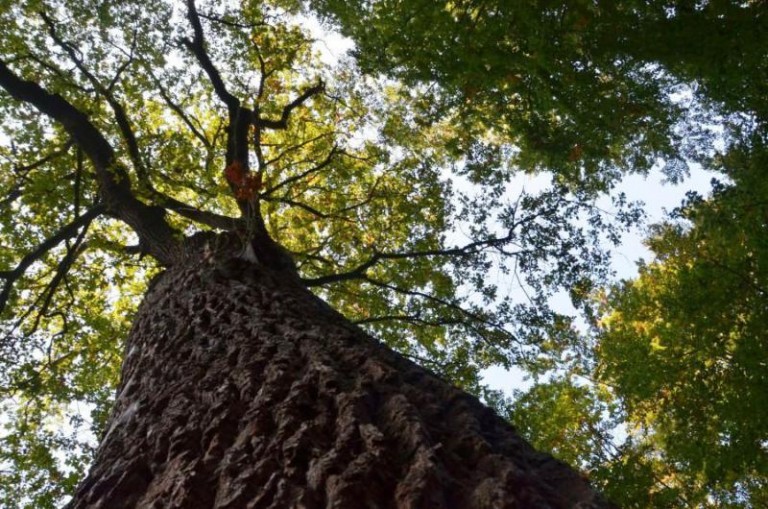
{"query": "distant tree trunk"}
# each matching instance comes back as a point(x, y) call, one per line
point(241, 389)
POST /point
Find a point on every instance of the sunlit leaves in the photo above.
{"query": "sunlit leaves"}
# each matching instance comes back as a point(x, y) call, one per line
point(566, 418)
point(553, 79)
point(684, 345)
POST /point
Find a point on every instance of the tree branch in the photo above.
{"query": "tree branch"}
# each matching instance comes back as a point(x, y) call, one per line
point(200, 216)
point(22, 171)
point(123, 123)
point(62, 269)
point(176, 108)
point(359, 271)
point(408, 318)
point(304, 206)
point(472, 248)
point(157, 236)
point(67, 232)
point(298, 146)
point(120, 115)
point(11, 196)
point(239, 116)
point(197, 46)
point(120, 70)
point(163, 200)
point(74, 121)
point(230, 23)
point(451, 305)
point(325, 162)
point(282, 123)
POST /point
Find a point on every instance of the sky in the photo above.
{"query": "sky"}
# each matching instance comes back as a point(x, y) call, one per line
point(660, 197)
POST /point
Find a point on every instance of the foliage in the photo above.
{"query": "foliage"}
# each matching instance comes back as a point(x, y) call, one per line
point(589, 88)
point(684, 344)
point(383, 210)
point(396, 180)
point(553, 78)
point(563, 417)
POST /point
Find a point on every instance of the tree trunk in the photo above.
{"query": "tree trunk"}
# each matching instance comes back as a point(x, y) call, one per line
point(241, 389)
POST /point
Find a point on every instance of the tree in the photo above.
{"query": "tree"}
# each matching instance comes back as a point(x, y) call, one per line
point(694, 320)
point(665, 406)
point(212, 144)
point(581, 86)
point(206, 147)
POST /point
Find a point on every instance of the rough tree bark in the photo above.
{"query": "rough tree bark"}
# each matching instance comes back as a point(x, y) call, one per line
point(242, 389)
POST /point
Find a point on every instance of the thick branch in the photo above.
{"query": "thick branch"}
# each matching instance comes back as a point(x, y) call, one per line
point(74, 121)
point(200, 216)
point(239, 116)
point(121, 117)
point(197, 46)
point(156, 235)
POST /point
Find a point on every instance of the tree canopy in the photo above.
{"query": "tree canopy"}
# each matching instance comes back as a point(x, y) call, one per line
point(396, 180)
point(696, 314)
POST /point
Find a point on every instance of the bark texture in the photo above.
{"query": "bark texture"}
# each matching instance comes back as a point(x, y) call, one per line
point(240, 389)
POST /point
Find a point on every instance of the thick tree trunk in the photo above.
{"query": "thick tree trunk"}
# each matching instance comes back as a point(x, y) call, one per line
point(241, 389)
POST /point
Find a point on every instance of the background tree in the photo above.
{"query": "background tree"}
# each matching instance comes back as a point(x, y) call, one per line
point(694, 320)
